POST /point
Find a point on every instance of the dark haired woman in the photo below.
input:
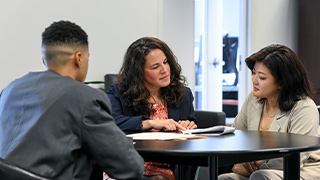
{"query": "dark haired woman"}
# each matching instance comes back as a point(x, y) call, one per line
point(150, 94)
point(280, 102)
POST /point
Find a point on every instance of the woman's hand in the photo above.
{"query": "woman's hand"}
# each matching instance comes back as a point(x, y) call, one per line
point(187, 124)
point(164, 124)
point(246, 169)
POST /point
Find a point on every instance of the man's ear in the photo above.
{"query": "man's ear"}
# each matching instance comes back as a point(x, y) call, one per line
point(44, 63)
point(78, 60)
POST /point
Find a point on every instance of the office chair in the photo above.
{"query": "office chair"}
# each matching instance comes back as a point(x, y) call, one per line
point(109, 78)
point(9, 171)
point(209, 118)
point(205, 119)
point(230, 48)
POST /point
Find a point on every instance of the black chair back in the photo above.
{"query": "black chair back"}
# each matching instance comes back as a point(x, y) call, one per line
point(209, 118)
point(9, 171)
point(109, 78)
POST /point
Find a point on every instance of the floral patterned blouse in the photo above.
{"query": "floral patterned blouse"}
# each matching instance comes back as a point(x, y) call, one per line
point(151, 168)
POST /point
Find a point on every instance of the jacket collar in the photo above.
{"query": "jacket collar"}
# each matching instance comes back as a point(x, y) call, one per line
point(256, 116)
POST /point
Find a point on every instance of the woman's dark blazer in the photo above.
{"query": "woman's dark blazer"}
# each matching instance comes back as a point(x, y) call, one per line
point(130, 122)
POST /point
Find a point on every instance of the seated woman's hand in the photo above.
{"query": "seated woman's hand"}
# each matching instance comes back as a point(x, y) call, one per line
point(164, 124)
point(246, 169)
point(187, 124)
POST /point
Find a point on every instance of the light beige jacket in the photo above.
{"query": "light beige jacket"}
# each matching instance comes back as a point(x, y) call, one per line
point(302, 119)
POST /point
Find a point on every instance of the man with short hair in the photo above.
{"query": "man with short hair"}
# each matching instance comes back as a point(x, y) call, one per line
point(55, 126)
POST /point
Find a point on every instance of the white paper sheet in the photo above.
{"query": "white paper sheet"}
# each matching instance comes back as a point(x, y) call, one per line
point(160, 136)
point(211, 131)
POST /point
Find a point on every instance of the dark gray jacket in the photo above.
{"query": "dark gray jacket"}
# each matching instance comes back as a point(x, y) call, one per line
point(60, 128)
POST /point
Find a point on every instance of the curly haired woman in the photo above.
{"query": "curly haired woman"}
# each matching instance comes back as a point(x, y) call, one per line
point(150, 95)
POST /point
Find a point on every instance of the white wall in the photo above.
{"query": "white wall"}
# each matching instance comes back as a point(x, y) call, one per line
point(112, 25)
point(177, 30)
point(274, 21)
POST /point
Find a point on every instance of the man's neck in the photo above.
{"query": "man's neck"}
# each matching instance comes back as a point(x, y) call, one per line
point(65, 71)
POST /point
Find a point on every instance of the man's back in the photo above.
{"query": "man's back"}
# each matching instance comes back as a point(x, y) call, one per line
point(57, 127)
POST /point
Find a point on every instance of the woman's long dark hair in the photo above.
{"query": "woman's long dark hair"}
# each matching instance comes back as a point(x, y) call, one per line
point(288, 71)
point(130, 79)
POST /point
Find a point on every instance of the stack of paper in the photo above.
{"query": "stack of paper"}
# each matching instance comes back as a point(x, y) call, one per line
point(211, 131)
point(162, 136)
point(188, 134)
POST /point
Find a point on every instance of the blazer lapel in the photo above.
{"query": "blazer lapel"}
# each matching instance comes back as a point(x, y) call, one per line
point(173, 113)
point(275, 125)
point(255, 116)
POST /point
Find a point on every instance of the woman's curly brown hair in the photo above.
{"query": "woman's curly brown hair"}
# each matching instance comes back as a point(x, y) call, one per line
point(130, 79)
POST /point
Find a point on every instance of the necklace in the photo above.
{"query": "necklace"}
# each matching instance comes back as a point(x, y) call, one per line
point(155, 102)
point(266, 109)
